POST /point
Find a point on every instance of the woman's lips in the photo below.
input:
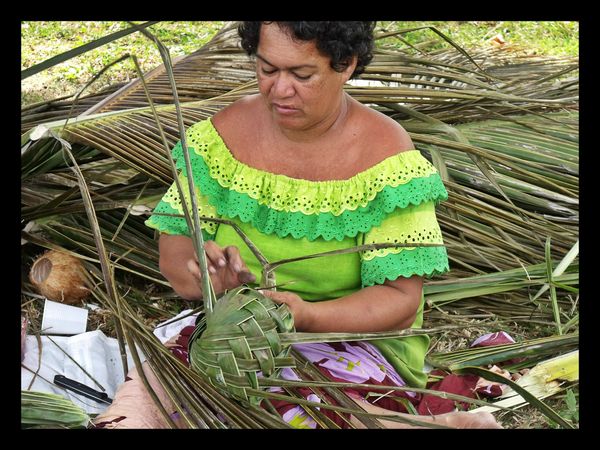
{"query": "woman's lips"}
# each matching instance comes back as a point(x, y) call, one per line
point(284, 109)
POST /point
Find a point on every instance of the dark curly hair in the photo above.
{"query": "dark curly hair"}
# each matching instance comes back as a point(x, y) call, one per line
point(340, 41)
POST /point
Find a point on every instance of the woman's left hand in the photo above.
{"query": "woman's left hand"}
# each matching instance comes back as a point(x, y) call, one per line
point(298, 307)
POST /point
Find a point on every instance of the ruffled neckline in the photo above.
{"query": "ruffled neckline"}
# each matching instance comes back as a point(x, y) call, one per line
point(211, 129)
point(277, 203)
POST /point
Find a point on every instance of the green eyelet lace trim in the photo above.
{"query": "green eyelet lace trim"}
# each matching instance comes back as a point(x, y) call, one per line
point(230, 203)
point(176, 225)
point(275, 211)
point(284, 193)
point(422, 261)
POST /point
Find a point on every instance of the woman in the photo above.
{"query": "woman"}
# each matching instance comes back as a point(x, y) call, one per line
point(304, 168)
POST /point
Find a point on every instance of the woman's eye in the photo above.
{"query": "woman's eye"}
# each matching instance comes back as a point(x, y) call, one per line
point(268, 72)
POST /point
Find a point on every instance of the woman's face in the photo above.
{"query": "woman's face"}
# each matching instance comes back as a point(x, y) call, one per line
point(299, 86)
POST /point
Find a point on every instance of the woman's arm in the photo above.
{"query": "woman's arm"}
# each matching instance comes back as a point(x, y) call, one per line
point(390, 306)
point(175, 252)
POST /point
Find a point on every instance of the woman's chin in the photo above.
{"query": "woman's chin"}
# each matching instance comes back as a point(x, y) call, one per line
point(290, 121)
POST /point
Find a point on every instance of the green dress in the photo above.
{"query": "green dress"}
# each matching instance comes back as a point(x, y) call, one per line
point(390, 202)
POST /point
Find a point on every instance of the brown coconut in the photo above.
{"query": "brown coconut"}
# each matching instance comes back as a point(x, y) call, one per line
point(60, 277)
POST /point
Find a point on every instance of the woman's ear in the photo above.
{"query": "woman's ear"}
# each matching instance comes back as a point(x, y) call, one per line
point(348, 71)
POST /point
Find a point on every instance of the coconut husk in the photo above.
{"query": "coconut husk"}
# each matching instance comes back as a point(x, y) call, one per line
point(60, 277)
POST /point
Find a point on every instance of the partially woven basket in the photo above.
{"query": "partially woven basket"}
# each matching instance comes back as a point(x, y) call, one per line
point(239, 343)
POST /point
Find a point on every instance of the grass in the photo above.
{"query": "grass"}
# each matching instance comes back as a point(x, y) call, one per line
point(549, 38)
point(43, 40)
point(565, 404)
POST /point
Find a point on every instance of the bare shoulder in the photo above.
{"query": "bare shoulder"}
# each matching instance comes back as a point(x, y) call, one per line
point(383, 132)
point(236, 114)
point(238, 124)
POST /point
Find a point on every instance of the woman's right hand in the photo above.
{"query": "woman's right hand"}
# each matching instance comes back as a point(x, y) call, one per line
point(225, 265)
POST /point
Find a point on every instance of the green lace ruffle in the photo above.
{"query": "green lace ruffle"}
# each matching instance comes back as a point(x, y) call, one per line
point(279, 204)
point(176, 225)
point(413, 224)
point(288, 194)
point(422, 261)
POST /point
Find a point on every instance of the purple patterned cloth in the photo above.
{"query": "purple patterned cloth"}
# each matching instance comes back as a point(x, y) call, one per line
point(352, 362)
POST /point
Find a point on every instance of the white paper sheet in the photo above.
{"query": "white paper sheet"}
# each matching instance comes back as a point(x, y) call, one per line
point(98, 354)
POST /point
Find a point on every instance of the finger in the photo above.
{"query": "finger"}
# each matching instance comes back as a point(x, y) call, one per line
point(273, 295)
point(245, 276)
point(267, 293)
point(193, 268)
point(214, 255)
point(234, 258)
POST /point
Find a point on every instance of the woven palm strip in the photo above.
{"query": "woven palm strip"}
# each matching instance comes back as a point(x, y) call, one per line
point(239, 342)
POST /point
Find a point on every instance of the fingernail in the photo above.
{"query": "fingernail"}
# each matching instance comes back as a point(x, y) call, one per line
point(211, 269)
point(247, 277)
point(222, 262)
point(237, 267)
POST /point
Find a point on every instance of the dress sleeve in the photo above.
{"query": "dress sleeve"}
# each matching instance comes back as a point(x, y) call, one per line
point(168, 217)
point(411, 224)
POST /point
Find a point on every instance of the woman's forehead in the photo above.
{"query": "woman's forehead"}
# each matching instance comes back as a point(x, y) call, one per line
point(278, 48)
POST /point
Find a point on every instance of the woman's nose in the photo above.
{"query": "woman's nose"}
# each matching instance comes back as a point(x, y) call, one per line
point(283, 85)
